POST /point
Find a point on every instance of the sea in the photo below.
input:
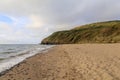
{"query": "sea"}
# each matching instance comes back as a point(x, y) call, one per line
point(13, 54)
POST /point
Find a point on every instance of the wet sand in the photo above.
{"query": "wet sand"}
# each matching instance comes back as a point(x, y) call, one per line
point(70, 62)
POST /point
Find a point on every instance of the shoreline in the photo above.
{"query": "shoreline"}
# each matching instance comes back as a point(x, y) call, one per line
point(70, 62)
point(32, 55)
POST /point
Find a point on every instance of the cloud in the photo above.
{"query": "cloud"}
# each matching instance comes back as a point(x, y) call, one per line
point(16, 34)
point(4, 27)
point(34, 23)
point(32, 20)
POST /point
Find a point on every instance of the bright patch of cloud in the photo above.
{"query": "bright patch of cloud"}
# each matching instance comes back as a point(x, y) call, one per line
point(34, 23)
point(4, 27)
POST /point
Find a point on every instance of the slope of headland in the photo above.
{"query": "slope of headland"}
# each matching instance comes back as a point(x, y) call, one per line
point(101, 32)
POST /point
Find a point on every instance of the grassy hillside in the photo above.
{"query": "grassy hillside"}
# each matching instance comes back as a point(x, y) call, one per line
point(102, 32)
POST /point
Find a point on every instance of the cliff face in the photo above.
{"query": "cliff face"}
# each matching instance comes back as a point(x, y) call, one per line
point(102, 32)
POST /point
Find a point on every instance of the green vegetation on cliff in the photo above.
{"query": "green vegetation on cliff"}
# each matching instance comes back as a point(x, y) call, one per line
point(102, 32)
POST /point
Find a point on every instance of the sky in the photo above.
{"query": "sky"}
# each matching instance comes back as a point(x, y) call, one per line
point(30, 21)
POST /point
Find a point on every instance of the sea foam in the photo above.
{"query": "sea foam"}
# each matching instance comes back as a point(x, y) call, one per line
point(10, 62)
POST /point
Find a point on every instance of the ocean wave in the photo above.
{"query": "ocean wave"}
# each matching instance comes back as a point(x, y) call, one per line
point(15, 59)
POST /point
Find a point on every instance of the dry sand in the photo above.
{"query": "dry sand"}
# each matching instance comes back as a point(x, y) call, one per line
point(70, 62)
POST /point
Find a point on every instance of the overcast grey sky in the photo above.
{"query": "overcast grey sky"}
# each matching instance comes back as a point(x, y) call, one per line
point(29, 21)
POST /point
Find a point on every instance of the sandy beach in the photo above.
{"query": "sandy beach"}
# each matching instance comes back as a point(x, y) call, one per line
point(70, 62)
